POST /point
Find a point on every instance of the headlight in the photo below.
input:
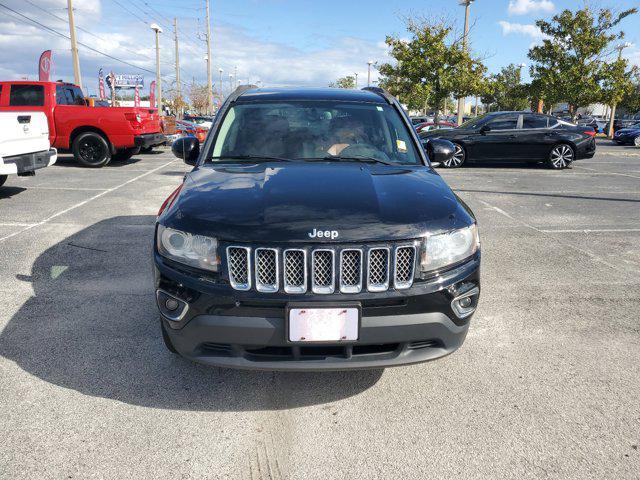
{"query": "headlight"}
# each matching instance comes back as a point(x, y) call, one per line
point(438, 251)
point(194, 250)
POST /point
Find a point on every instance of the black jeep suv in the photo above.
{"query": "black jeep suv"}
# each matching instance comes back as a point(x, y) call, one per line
point(313, 234)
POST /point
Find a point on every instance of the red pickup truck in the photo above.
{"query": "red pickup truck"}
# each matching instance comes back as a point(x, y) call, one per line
point(95, 135)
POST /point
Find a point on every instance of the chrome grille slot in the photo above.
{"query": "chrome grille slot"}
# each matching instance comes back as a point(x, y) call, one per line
point(378, 271)
point(323, 271)
point(267, 272)
point(239, 262)
point(295, 271)
point(351, 271)
point(404, 263)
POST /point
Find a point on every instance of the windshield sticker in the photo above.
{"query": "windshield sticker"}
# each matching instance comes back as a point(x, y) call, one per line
point(402, 146)
point(380, 109)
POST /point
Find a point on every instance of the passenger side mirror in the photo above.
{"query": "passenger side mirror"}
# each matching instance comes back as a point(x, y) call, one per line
point(484, 129)
point(439, 150)
point(187, 148)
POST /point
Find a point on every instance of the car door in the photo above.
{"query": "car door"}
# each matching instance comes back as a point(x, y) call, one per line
point(497, 139)
point(536, 136)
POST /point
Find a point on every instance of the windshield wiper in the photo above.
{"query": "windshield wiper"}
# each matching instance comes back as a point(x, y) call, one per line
point(253, 158)
point(339, 158)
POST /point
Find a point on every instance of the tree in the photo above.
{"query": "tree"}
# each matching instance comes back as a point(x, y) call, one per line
point(571, 62)
point(431, 66)
point(630, 103)
point(199, 98)
point(504, 90)
point(344, 82)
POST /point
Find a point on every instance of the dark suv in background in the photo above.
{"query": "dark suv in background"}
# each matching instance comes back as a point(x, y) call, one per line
point(313, 234)
point(517, 137)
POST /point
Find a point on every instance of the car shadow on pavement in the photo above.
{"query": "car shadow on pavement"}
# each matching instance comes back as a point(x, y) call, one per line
point(92, 326)
point(65, 160)
point(9, 191)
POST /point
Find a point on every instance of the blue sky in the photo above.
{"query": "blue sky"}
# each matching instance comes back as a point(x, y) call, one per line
point(280, 42)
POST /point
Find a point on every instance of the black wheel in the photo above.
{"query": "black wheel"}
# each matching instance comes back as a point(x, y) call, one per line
point(457, 159)
point(3, 178)
point(167, 341)
point(561, 156)
point(91, 150)
point(126, 154)
point(146, 150)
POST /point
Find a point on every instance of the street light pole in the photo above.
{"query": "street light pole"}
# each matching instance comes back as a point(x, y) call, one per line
point(209, 80)
point(620, 47)
point(467, 5)
point(77, 78)
point(156, 28)
point(178, 85)
point(369, 63)
point(220, 83)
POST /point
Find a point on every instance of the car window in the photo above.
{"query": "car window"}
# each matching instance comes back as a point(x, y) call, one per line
point(61, 95)
point(74, 95)
point(534, 121)
point(26, 95)
point(315, 129)
point(504, 122)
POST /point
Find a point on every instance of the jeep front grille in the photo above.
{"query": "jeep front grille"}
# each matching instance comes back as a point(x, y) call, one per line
point(322, 270)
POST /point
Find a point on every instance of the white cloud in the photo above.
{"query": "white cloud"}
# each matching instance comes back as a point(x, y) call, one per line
point(528, 29)
point(524, 7)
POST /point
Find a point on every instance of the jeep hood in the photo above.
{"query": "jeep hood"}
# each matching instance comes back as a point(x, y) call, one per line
point(283, 202)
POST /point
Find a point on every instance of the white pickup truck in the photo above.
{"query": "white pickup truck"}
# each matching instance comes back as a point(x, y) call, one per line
point(24, 144)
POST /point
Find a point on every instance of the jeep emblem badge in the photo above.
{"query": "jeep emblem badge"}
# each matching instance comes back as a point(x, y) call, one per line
point(332, 234)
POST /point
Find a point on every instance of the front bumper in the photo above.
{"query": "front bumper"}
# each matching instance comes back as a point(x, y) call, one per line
point(227, 328)
point(28, 162)
point(147, 140)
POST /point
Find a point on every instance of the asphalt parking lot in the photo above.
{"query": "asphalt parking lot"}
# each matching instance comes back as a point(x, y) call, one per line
point(547, 384)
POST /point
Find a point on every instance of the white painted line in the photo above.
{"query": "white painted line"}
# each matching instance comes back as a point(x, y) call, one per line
point(567, 245)
point(84, 202)
point(607, 173)
point(593, 230)
point(15, 224)
point(36, 187)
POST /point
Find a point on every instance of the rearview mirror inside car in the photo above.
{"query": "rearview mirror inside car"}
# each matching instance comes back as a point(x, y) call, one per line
point(187, 148)
point(439, 150)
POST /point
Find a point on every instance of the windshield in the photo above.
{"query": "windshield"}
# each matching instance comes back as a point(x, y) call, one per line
point(306, 130)
point(474, 122)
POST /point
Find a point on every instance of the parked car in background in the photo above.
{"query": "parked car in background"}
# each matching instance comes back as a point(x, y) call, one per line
point(94, 135)
point(628, 136)
point(24, 144)
point(518, 136)
point(598, 124)
point(619, 123)
point(201, 120)
point(421, 119)
point(186, 129)
point(428, 126)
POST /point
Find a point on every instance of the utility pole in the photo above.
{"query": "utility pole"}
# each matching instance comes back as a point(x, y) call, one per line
point(356, 74)
point(156, 28)
point(369, 63)
point(209, 81)
point(220, 71)
point(467, 5)
point(77, 78)
point(178, 84)
point(620, 47)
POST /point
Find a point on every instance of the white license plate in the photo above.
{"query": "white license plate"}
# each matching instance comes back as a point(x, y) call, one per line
point(339, 324)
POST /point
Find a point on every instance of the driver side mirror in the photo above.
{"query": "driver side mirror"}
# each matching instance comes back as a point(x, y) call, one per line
point(484, 129)
point(187, 149)
point(439, 150)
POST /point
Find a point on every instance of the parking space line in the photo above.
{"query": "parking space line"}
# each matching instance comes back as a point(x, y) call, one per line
point(597, 172)
point(593, 256)
point(37, 187)
point(593, 230)
point(15, 224)
point(84, 202)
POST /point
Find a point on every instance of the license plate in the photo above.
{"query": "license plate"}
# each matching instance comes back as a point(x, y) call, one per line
point(326, 324)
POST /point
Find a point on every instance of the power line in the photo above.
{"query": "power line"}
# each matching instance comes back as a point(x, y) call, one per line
point(79, 43)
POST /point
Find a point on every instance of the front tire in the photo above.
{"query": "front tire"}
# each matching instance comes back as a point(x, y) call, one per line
point(561, 156)
point(91, 149)
point(457, 159)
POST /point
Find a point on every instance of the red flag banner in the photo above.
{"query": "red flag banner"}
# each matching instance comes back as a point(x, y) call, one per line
point(44, 66)
point(136, 97)
point(152, 94)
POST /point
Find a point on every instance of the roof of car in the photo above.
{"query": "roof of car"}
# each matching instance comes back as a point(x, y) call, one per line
point(292, 94)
